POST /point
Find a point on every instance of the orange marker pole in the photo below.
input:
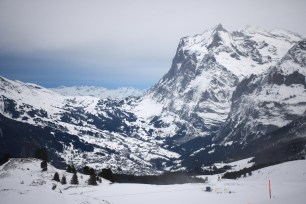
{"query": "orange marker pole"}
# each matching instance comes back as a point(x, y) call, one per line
point(269, 188)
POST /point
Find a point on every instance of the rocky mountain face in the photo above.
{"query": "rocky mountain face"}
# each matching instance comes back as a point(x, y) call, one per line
point(195, 94)
point(224, 93)
point(262, 104)
point(265, 106)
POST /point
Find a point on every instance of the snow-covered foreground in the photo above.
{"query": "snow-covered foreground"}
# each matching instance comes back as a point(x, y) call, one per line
point(21, 181)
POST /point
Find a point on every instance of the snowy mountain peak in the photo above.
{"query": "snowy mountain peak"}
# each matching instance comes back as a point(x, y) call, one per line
point(253, 47)
point(219, 27)
point(204, 39)
point(196, 92)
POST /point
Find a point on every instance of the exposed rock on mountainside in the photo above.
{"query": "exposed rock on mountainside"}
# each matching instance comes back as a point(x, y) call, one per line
point(264, 103)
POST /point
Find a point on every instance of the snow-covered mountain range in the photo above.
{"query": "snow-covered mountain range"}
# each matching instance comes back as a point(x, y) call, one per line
point(84, 129)
point(99, 92)
point(224, 93)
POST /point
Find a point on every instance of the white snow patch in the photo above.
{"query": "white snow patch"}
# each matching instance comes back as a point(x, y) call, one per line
point(148, 108)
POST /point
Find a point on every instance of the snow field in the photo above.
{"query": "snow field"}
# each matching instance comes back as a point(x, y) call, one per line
point(288, 182)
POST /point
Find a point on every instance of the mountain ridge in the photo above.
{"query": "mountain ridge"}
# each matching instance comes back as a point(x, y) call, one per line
point(99, 92)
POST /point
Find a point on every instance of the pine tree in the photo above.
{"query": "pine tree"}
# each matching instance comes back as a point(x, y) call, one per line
point(63, 180)
point(92, 180)
point(74, 179)
point(56, 177)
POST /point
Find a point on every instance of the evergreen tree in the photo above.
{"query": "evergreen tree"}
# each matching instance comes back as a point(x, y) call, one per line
point(74, 179)
point(92, 180)
point(63, 180)
point(56, 177)
point(44, 165)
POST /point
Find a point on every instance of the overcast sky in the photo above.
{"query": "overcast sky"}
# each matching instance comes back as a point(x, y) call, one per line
point(115, 43)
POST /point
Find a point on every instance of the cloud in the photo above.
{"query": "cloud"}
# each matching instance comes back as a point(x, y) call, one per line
point(123, 40)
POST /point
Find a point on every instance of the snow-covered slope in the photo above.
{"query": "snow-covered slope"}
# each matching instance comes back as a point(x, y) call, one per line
point(99, 92)
point(21, 180)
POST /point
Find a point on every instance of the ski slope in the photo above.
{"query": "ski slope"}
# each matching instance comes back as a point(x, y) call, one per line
point(21, 181)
